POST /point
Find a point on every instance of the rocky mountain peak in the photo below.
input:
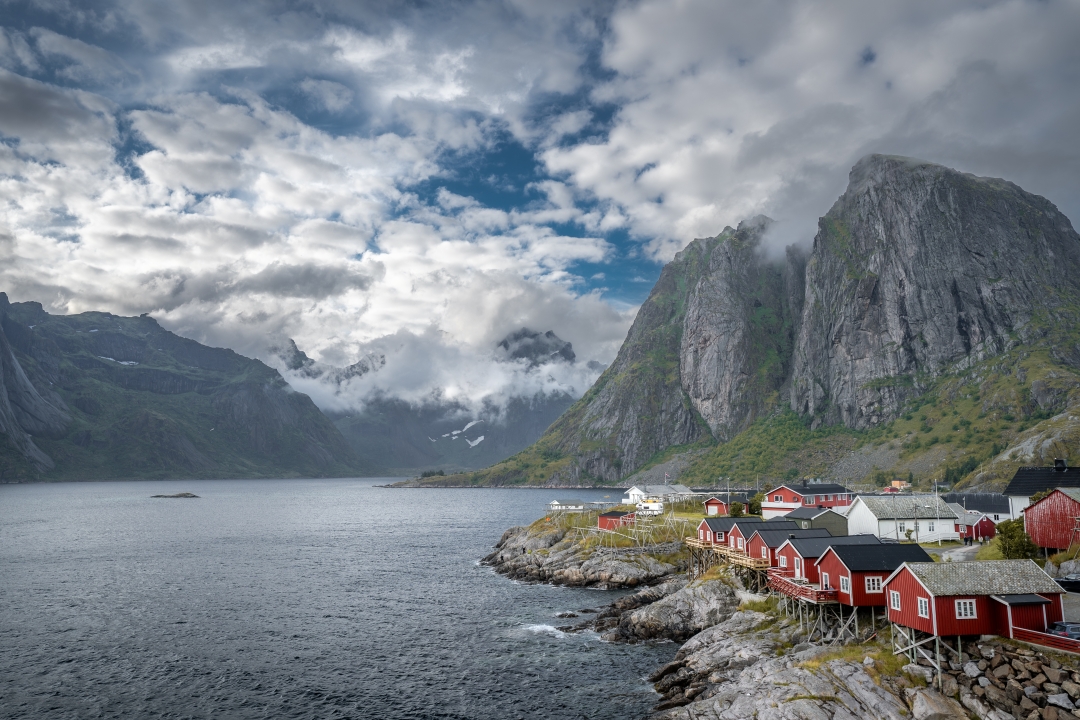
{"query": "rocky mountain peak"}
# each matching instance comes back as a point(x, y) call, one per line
point(918, 269)
point(538, 348)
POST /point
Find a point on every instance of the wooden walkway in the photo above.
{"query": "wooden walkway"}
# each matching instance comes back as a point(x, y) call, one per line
point(782, 581)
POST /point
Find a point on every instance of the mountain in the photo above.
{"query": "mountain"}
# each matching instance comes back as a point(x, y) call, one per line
point(397, 437)
point(97, 396)
point(930, 333)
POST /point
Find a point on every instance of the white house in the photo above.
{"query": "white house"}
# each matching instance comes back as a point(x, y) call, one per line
point(927, 517)
point(566, 505)
point(664, 493)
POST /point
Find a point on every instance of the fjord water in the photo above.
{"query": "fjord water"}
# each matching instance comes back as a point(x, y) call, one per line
point(291, 599)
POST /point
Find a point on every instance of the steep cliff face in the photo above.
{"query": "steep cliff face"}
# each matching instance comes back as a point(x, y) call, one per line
point(739, 330)
point(96, 396)
point(918, 270)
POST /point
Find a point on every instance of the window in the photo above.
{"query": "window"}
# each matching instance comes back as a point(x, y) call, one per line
point(924, 607)
point(798, 567)
point(805, 524)
point(902, 526)
point(808, 500)
point(965, 609)
point(701, 534)
point(777, 498)
point(894, 600)
point(996, 517)
point(783, 561)
point(765, 552)
point(719, 537)
point(825, 581)
point(873, 584)
point(708, 536)
point(845, 584)
point(740, 543)
point(930, 526)
point(830, 498)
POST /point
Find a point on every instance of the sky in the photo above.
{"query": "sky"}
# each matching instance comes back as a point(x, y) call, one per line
point(414, 181)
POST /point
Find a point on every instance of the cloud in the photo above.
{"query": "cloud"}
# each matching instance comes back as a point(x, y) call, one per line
point(331, 95)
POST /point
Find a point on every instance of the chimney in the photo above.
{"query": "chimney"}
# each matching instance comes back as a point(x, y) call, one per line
point(1059, 465)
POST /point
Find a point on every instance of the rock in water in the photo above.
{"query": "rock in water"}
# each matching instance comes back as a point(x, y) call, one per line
point(684, 613)
point(916, 269)
point(177, 495)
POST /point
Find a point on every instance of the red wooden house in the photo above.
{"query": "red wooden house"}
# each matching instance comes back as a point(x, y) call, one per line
point(765, 540)
point(798, 556)
point(1052, 521)
point(715, 530)
point(992, 597)
point(614, 520)
point(858, 572)
point(785, 498)
point(741, 531)
point(716, 506)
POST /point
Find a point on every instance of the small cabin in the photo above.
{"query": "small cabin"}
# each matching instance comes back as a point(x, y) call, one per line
point(715, 530)
point(765, 540)
point(743, 528)
point(716, 506)
point(614, 520)
point(798, 556)
point(1052, 522)
point(990, 597)
point(858, 572)
point(974, 525)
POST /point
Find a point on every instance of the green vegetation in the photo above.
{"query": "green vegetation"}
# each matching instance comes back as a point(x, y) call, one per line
point(432, 473)
point(1013, 543)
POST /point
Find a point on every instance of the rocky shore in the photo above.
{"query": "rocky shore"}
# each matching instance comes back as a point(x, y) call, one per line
point(551, 554)
point(743, 658)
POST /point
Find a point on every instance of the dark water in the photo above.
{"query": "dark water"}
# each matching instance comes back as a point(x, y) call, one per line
point(290, 599)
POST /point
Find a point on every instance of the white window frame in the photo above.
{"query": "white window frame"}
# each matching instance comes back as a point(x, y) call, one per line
point(701, 534)
point(924, 607)
point(765, 552)
point(894, 600)
point(798, 567)
point(719, 537)
point(872, 583)
point(778, 498)
point(900, 526)
point(962, 607)
point(929, 526)
point(824, 581)
point(741, 544)
point(845, 584)
point(783, 561)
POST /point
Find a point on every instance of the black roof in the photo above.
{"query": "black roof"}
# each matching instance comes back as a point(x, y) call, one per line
point(807, 513)
point(724, 524)
point(813, 547)
point(770, 525)
point(776, 538)
point(983, 502)
point(617, 513)
point(886, 558)
point(814, 488)
point(1029, 480)
point(730, 497)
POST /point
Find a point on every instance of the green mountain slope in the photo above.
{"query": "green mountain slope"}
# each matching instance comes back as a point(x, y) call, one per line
point(128, 399)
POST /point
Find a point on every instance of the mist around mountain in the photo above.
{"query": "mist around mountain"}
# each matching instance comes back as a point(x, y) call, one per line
point(95, 396)
point(930, 333)
point(406, 435)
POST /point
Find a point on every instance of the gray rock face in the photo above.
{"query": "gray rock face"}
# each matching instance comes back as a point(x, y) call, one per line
point(917, 269)
point(739, 329)
point(682, 614)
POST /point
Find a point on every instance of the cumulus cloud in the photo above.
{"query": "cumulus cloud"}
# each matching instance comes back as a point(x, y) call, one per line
point(419, 182)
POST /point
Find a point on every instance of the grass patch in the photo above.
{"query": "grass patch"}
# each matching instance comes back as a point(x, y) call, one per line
point(989, 551)
point(768, 605)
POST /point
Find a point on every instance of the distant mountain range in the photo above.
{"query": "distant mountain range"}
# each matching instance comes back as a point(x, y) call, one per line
point(399, 437)
point(96, 396)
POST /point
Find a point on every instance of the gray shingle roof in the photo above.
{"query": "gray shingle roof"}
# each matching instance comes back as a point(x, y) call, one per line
point(968, 518)
point(905, 507)
point(987, 577)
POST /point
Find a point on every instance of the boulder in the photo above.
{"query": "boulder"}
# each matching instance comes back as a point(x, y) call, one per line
point(932, 705)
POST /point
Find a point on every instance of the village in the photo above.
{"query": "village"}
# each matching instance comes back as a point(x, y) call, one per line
point(931, 573)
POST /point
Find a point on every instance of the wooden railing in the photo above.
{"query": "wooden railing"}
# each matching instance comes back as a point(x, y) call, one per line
point(782, 580)
point(728, 554)
point(1047, 640)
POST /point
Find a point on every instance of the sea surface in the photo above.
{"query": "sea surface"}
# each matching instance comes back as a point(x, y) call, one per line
point(291, 599)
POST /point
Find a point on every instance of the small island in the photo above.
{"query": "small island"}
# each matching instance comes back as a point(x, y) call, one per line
point(177, 495)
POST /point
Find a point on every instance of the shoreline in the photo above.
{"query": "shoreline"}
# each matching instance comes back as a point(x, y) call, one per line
point(740, 654)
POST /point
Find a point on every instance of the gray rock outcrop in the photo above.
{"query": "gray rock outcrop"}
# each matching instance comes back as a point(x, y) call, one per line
point(918, 269)
point(540, 554)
